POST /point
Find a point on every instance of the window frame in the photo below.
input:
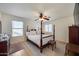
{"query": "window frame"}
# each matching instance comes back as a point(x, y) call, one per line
point(48, 28)
point(16, 28)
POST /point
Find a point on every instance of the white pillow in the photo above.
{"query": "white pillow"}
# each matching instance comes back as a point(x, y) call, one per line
point(33, 32)
point(27, 33)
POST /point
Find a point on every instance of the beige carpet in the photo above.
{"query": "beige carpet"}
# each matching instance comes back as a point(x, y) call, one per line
point(19, 49)
point(31, 50)
point(59, 51)
point(16, 47)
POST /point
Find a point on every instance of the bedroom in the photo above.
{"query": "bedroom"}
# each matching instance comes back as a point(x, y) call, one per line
point(16, 19)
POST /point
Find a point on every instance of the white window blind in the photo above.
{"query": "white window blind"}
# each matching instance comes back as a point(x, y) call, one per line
point(17, 28)
point(48, 28)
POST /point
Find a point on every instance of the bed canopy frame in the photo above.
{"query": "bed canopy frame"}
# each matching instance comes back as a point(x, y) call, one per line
point(41, 41)
point(41, 46)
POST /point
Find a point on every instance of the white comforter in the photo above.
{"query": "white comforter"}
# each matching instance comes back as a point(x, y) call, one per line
point(36, 39)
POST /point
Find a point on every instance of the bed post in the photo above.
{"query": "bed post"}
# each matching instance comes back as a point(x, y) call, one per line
point(54, 33)
point(41, 38)
point(27, 28)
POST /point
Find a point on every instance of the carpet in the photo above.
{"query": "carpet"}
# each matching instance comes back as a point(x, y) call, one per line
point(15, 47)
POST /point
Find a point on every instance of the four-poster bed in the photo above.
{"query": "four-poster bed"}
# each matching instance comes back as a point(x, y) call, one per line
point(41, 40)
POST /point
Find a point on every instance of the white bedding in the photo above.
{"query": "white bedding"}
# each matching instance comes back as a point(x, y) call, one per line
point(36, 38)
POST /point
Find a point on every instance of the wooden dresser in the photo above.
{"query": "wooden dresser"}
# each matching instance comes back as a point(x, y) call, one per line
point(74, 35)
point(73, 45)
point(4, 45)
point(3, 48)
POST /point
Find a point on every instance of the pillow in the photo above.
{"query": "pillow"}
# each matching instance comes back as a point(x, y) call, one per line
point(33, 32)
point(27, 33)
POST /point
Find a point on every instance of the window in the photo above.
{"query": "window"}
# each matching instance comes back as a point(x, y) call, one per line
point(48, 27)
point(17, 28)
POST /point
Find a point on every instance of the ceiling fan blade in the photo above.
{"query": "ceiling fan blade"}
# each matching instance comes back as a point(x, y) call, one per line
point(36, 19)
point(47, 18)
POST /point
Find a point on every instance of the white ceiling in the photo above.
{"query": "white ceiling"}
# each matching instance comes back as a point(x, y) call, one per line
point(31, 10)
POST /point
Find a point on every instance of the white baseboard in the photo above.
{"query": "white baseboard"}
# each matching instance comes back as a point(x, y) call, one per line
point(62, 41)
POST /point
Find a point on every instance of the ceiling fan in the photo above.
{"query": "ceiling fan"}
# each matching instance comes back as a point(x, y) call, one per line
point(41, 16)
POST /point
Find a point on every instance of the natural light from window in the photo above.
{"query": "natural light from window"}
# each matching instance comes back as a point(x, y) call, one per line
point(48, 28)
point(17, 28)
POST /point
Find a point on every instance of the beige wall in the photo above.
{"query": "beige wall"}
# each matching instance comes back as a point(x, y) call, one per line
point(61, 28)
point(6, 25)
point(6, 21)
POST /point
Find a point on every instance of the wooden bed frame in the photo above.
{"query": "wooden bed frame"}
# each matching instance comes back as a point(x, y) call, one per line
point(41, 44)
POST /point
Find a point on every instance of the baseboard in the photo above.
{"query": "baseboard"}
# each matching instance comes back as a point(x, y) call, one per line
point(64, 42)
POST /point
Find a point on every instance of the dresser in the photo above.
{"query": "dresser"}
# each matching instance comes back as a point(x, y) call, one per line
point(4, 45)
point(73, 46)
point(74, 34)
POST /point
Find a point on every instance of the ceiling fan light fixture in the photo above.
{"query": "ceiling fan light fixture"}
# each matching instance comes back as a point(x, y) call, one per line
point(45, 17)
point(41, 19)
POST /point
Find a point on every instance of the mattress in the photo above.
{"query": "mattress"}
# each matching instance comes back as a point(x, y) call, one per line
point(36, 39)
